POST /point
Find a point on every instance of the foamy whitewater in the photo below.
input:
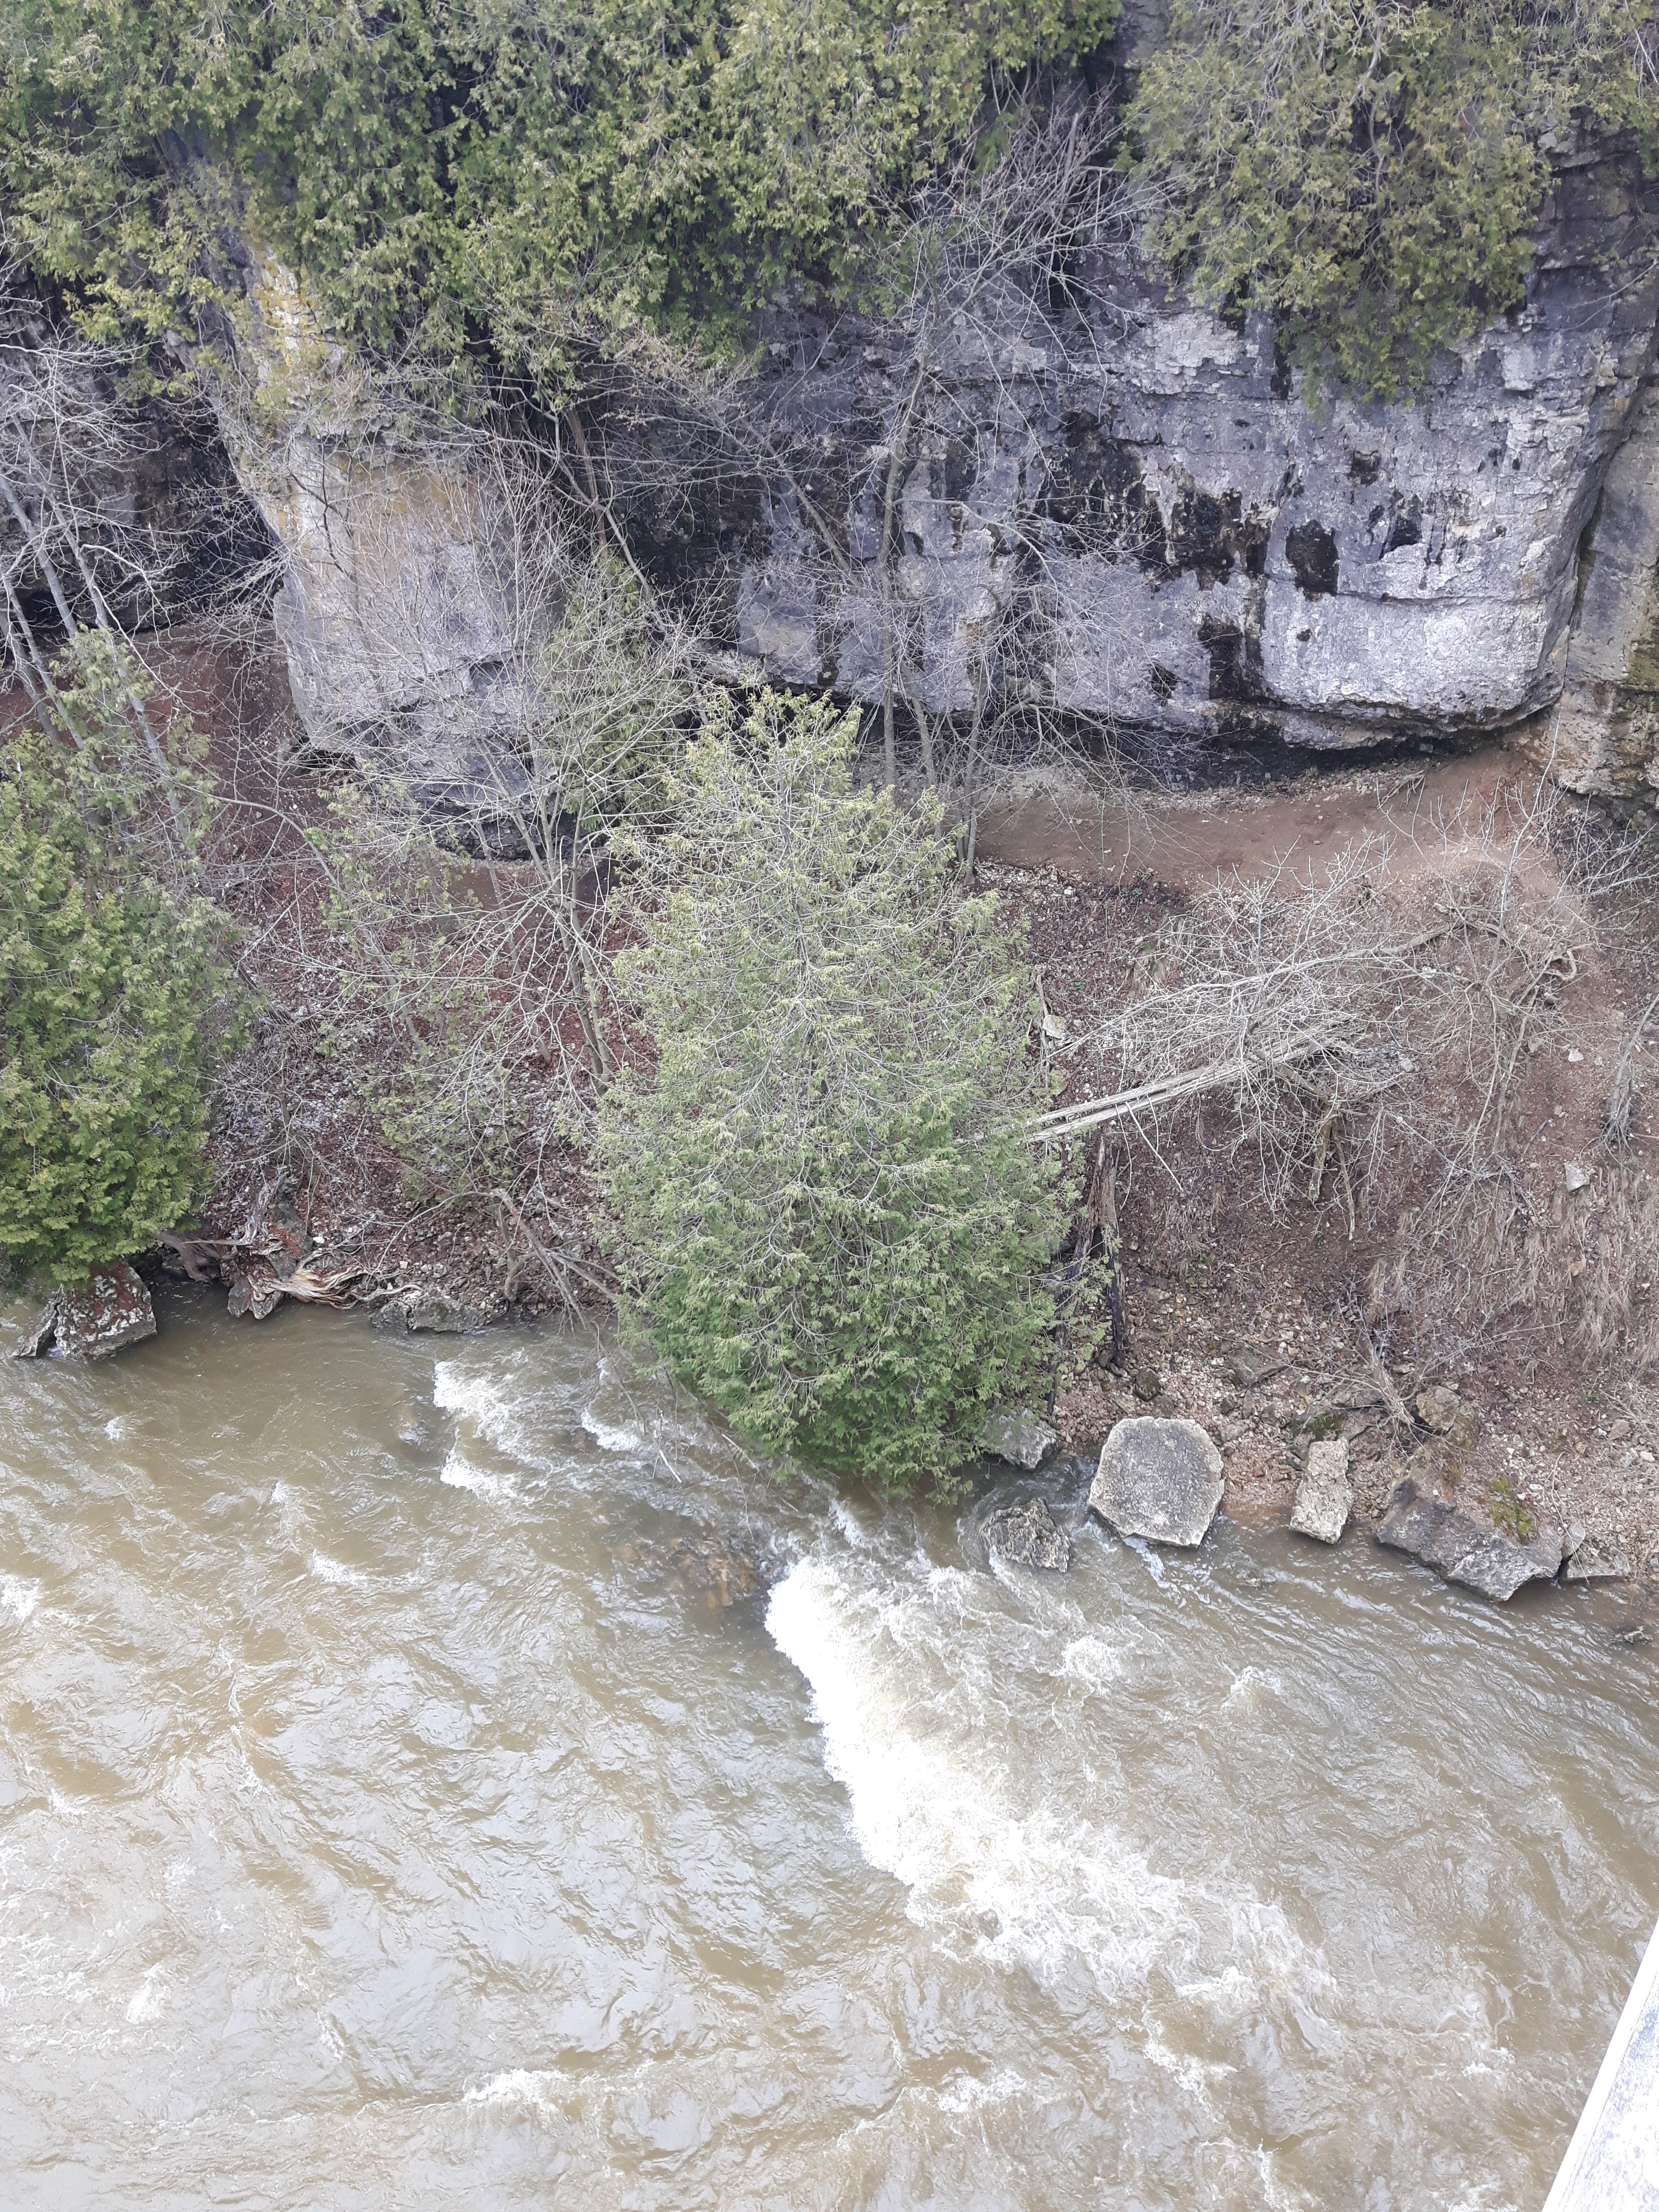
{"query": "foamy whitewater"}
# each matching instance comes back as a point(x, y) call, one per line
point(391, 1812)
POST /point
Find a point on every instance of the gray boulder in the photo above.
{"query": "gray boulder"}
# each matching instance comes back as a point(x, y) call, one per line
point(91, 1319)
point(1596, 1560)
point(1467, 1548)
point(427, 1310)
point(1019, 1437)
point(1028, 1536)
point(1160, 1479)
point(1324, 1496)
point(1437, 1407)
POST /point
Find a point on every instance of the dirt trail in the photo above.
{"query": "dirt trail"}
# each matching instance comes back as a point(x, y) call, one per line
point(1186, 838)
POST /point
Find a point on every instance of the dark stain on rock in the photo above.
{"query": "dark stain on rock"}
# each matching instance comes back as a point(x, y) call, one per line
point(1201, 533)
point(1208, 531)
point(1235, 652)
point(1164, 684)
point(1311, 551)
point(1405, 525)
point(1096, 492)
point(1365, 468)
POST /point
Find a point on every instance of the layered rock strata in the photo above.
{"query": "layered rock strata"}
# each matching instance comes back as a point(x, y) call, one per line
point(1134, 512)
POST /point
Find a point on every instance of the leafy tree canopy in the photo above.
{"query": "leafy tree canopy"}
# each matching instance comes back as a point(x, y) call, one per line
point(438, 169)
point(831, 1224)
point(113, 989)
point(1371, 172)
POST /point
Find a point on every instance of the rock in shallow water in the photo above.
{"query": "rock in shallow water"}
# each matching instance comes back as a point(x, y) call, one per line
point(108, 1311)
point(1019, 1437)
point(1597, 1559)
point(1324, 1496)
point(1028, 1536)
point(1467, 1549)
point(254, 1293)
point(1160, 1479)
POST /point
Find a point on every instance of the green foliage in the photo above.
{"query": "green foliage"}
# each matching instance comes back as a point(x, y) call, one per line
point(831, 1223)
point(112, 994)
point(1372, 174)
point(435, 170)
point(1510, 1512)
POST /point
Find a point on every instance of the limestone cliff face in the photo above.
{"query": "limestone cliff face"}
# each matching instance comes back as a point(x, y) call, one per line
point(1603, 735)
point(1222, 554)
point(393, 611)
point(1138, 514)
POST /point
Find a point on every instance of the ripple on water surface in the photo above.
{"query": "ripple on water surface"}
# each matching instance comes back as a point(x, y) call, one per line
point(389, 1816)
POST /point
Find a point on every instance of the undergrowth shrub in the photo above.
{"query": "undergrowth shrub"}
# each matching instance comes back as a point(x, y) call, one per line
point(115, 993)
point(831, 1223)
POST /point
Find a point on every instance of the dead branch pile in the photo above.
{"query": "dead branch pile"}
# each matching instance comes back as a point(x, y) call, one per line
point(1363, 1037)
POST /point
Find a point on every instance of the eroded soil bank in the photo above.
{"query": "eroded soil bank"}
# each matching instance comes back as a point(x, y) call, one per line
point(1259, 1321)
point(1255, 1301)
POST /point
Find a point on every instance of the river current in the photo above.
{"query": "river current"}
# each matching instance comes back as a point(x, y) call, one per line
point(392, 1814)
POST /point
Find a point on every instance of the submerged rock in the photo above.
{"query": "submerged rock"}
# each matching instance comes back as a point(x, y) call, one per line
point(720, 1570)
point(255, 1292)
point(1158, 1479)
point(1324, 1496)
point(1028, 1536)
point(430, 1310)
point(1020, 1437)
point(91, 1319)
point(1466, 1549)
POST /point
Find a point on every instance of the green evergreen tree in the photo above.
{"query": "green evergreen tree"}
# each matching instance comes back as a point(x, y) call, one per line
point(434, 172)
point(831, 1222)
point(113, 992)
point(1372, 175)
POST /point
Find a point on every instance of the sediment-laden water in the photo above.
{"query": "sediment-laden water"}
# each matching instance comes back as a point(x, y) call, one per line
point(392, 1813)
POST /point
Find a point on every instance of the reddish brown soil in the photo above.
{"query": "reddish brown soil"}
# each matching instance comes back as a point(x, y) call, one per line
point(1208, 1274)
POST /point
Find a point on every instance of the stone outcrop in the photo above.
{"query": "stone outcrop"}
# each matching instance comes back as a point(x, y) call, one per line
point(91, 1319)
point(1159, 1480)
point(1027, 1535)
point(1465, 1546)
point(1221, 553)
point(395, 609)
point(1324, 1496)
point(1139, 511)
point(1603, 736)
point(1595, 1559)
point(1010, 1433)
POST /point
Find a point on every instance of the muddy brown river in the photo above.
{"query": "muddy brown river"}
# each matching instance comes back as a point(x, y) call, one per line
point(392, 1813)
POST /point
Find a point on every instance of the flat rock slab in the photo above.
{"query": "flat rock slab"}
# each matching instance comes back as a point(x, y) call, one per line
point(1160, 1479)
point(91, 1319)
point(1324, 1496)
point(1251, 1370)
point(1027, 1535)
point(1018, 1437)
point(1464, 1548)
point(1597, 1560)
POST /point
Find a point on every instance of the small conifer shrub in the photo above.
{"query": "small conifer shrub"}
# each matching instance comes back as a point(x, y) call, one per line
point(114, 992)
point(831, 1222)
